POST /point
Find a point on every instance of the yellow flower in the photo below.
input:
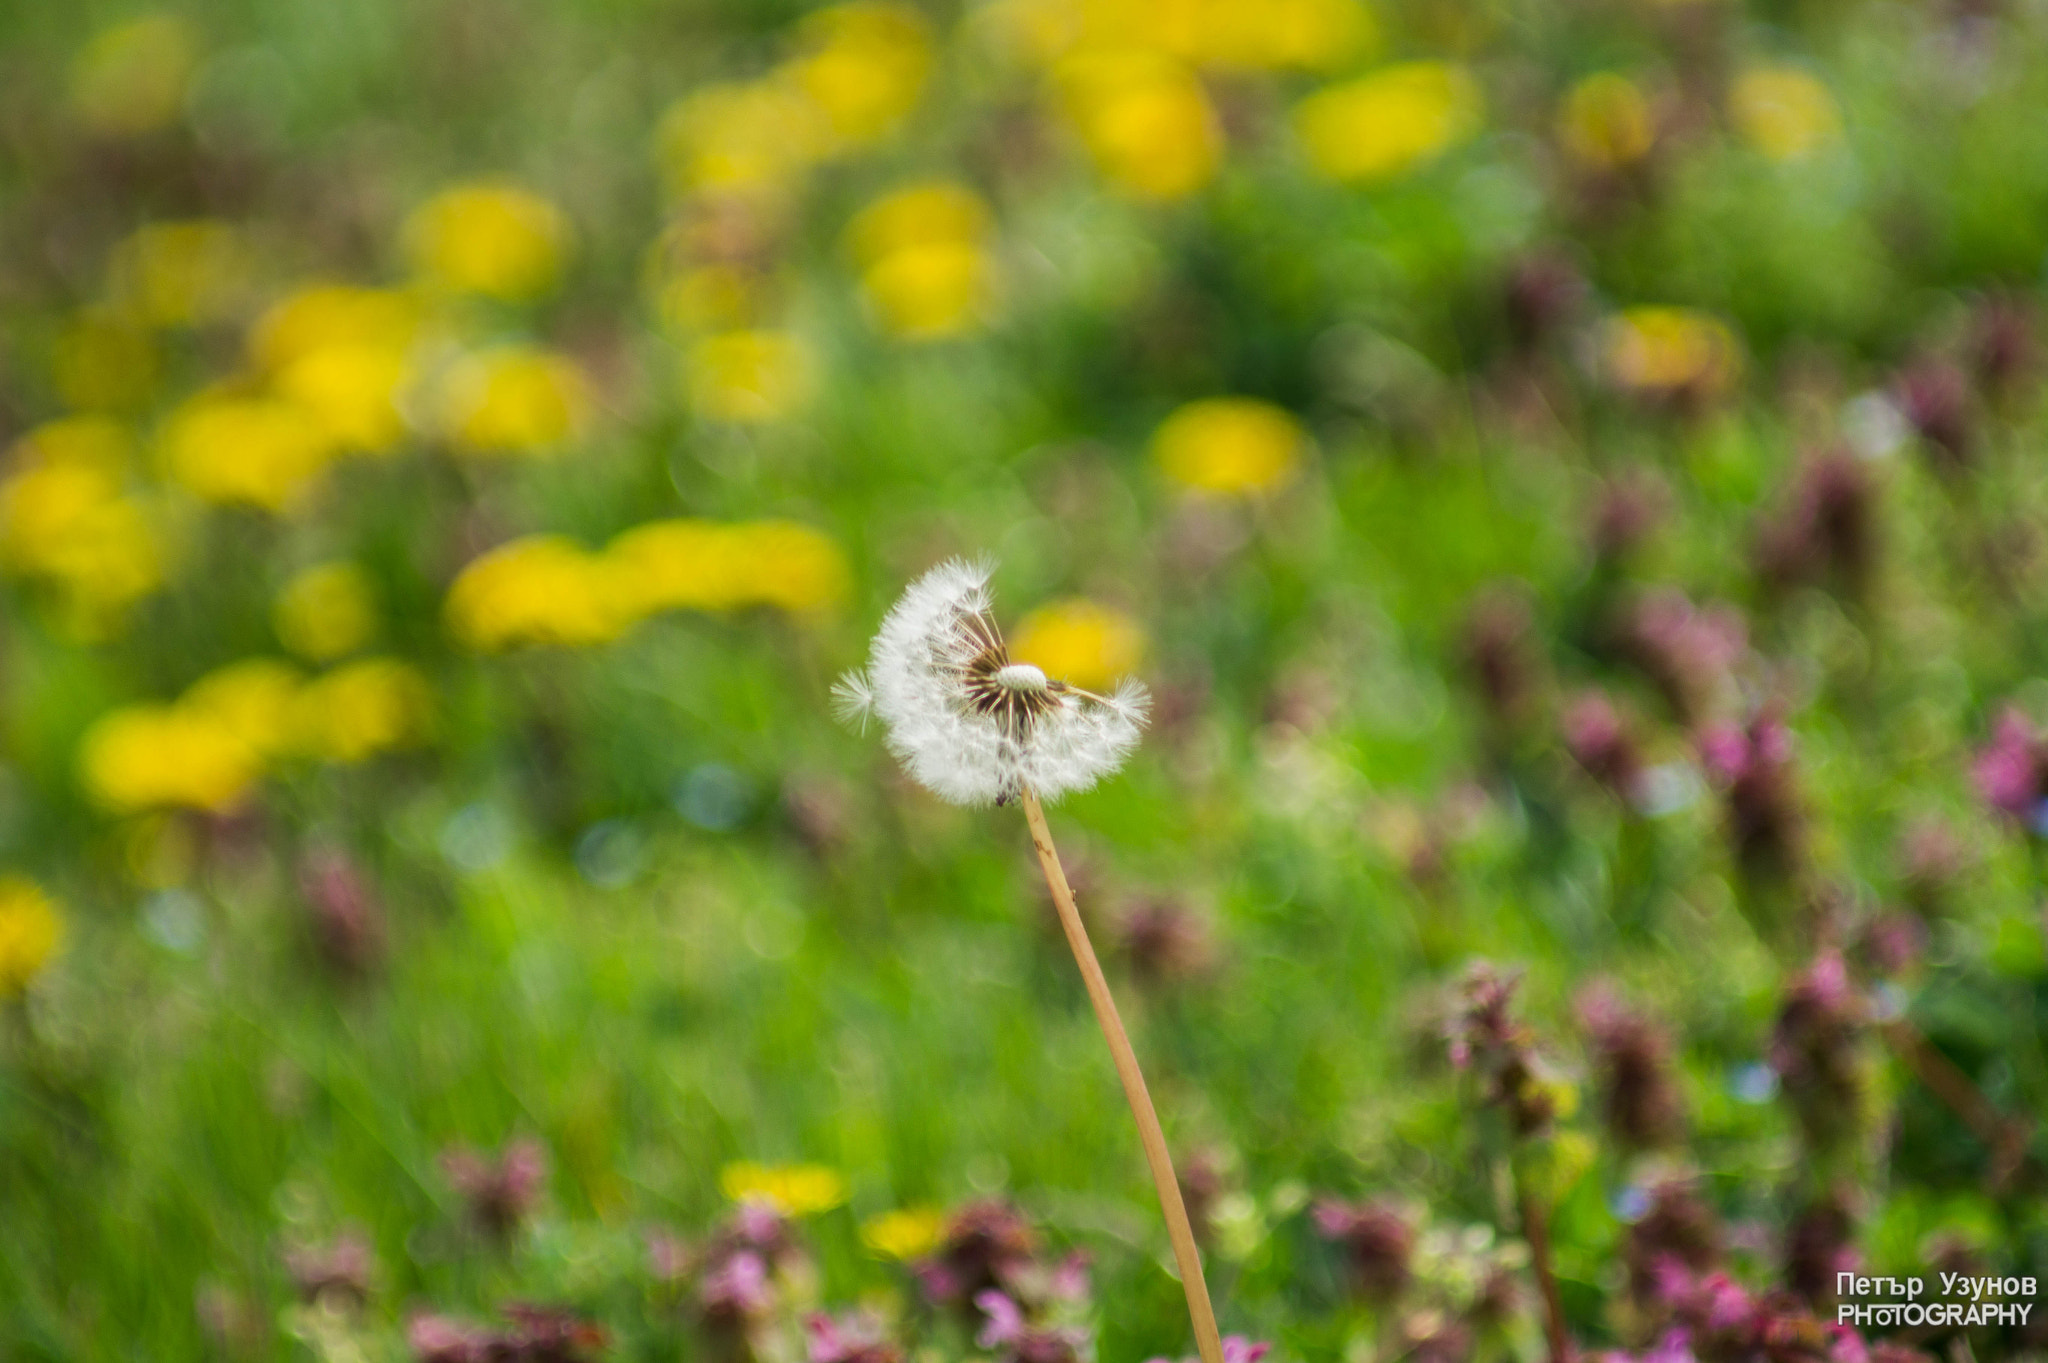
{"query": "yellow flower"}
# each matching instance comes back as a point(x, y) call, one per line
point(325, 316)
point(908, 1233)
point(326, 612)
point(543, 589)
point(353, 391)
point(254, 700)
point(1037, 32)
point(131, 78)
point(1605, 121)
point(793, 1190)
point(928, 292)
point(81, 441)
point(489, 238)
point(29, 933)
point(929, 213)
point(65, 517)
point(715, 297)
point(864, 66)
point(1664, 351)
point(514, 400)
point(1237, 446)
point(678, 565)
point(101, 362)
point(748, 377)
point(1271, 35)
point(361, 709)
point(1389, 122)
point(263, 452)
point(706, 566)
point(1079, 641)
point(1783, 112)
point(1239, 35)
point(179, 274)
point(792, 567)
point(925, 273)
point(1145, 120)
point(163, 756)
point(740, 139)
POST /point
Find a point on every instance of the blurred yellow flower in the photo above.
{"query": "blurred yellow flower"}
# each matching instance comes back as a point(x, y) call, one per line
point(326, 612)
point(1783, 112)
point(1663, 351)
point(748, 377)
point(85, 441)
point(740, 138)
point(923, 214)
point(353, 391)
point(1606, 122)
point(707, 566)
point(543, 589)
point(864, 66)
point(908, 1233)
point(165, 756)
point(1145, 120)
point(1386, 123)
point(927, 293)
point(793, 1189)
point(1271, 35)
point(548, 590)
point(259, 451)
point(253, 699)
point(514, 400)
point(131, 78)
point(329, 316)
point(1035, 32)
point(1242, 35)
point(101, 362)
point(66, 517)
point(179, 274)
point(678, 565)
point(715, 297)
point(925, 272)
point(490, 238)
point(30, 931)
point(1081, 642)
point(1229, 445)
point(361, 709)
point(792, 567)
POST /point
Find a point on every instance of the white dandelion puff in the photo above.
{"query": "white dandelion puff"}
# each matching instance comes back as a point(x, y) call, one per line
point(967, 721)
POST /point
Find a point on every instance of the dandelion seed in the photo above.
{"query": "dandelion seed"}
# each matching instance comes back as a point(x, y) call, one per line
point(967, 720)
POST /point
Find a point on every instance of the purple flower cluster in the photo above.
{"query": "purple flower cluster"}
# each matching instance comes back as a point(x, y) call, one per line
point(1487, 1040)
point(1687, 652)
point(1714, 1319)
point(1817, 1051)
point(533, 1334)
point(2012, 770)
point(1638, 1083)
point(1377, 1239)
point(853, 1337)
point(1825, 534)
point(498, 1190)
point(1602, 741)
point(1752, 765)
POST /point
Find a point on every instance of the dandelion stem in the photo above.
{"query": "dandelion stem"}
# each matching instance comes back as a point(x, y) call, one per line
point(1536, 1231)
point(1177, 1228)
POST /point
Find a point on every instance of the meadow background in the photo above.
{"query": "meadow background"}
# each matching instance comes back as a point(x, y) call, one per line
point(1570, 474)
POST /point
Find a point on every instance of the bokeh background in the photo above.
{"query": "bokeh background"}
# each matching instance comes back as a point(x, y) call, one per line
point(1569, 472)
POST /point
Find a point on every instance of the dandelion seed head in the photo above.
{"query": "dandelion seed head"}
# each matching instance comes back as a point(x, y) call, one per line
point(967, 721)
